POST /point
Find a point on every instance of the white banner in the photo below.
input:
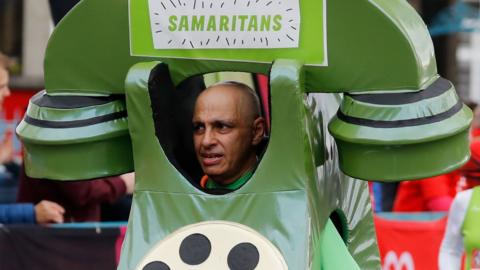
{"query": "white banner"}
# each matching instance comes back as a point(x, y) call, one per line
point(214, 24)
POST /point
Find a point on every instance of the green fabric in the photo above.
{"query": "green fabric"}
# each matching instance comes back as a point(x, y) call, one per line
point(357, 134)
point(335, 253)
point(397, 152)
point(422, 108)
point(394, 162)
point(84, 55)
point(76, 153)
point(288, 199)
point(53, 114)
point(232, 186)
point(471, 227)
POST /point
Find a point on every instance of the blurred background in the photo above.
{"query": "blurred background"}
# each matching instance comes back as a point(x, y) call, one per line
point(25, 26)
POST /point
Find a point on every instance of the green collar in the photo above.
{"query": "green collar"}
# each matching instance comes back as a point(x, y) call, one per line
point(232, 186)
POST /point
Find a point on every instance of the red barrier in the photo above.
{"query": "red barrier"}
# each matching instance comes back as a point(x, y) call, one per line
point(11, 113)
point(409, 245)
point(68, 246)
point(119, 243)
point(16, 104)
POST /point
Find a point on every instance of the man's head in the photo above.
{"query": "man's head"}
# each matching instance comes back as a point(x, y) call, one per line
point(227, 129)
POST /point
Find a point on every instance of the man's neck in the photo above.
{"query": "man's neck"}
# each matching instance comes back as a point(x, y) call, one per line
point(249, 165)
point(237, 183)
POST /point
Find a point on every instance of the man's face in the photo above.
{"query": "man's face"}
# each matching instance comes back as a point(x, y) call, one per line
point(225, 134)
point(4, 90)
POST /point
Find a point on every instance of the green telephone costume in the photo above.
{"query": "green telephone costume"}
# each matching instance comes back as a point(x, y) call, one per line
point(396, 119)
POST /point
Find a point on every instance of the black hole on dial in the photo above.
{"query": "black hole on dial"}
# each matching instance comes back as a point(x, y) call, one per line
point(156, 266)
point(243, 256)
point(195, 249)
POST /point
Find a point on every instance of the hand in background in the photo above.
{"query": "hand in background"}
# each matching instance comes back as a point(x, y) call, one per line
point(129, 180)
point(6, 148)
point(48, 212)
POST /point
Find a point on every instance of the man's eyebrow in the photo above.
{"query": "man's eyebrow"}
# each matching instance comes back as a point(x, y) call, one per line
point(224, 122)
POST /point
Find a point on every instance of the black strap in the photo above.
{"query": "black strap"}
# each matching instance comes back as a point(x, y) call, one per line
point(41, 99)
point(437, 88)
point(401, 123)
point(75, 123)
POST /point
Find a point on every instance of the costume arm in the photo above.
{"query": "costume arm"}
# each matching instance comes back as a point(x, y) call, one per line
point(451, 250)
point(17, 213)
point(335, 255)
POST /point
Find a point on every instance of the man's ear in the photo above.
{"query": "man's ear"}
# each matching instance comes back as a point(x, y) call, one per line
point(258, 130)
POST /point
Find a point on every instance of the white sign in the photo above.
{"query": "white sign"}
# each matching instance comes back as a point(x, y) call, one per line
point(213, 24)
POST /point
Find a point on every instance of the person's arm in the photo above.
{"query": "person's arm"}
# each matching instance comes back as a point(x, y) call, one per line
point(48, 212)
point(109, 189)
point(26, 213)
point(6, 148)
point(451, 250)
point(17, 213)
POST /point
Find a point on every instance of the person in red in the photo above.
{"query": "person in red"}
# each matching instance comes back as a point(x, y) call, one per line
point(43, 211)
point(81, 199)
point(471, 170)
point(430, 194)
point(461, 233)
point(437, 193)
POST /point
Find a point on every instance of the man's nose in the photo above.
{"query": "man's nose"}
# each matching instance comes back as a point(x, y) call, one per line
point(208, 138)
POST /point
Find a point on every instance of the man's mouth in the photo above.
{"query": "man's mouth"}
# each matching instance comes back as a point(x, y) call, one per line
point(211, 159)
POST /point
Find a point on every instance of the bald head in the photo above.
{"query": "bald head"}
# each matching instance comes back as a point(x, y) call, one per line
point(227, 129)
point(246, 96)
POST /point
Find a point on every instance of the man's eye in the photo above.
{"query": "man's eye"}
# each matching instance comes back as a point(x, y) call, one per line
point(223, 127)
point(198, 128)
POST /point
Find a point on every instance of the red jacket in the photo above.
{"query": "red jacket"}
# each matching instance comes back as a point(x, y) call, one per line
point(414, 196)
point(81, 199)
